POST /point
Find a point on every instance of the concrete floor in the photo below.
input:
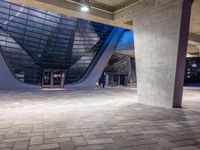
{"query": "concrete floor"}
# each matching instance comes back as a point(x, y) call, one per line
point(101, 119)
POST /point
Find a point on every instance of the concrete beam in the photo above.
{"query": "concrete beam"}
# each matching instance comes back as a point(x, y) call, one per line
point(73, 10)
point(130, 53)
point(194, 37)
point(129, 12)
point(193, 50)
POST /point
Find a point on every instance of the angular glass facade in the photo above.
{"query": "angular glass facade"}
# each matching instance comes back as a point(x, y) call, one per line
point(33, 41)
point(120, 65)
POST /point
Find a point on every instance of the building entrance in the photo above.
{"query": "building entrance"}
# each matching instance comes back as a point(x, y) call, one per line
point(53, 78)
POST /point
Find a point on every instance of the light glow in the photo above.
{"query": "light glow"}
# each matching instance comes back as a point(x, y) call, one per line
point(85, 8)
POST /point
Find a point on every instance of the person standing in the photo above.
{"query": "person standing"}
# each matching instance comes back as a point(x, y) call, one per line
point(102, 80)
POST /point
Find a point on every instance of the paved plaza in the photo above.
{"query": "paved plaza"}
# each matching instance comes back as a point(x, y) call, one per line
point(103, 119)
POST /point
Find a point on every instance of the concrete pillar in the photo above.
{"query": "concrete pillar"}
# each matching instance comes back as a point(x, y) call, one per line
point(161, 35)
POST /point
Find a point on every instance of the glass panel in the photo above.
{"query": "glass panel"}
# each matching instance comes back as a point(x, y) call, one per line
point(56, 78)
point(47, 78)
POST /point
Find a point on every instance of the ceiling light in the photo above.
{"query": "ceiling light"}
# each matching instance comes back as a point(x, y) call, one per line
point(85, 8)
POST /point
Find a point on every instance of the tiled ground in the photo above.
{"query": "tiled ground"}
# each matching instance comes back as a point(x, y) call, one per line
point(96, 120)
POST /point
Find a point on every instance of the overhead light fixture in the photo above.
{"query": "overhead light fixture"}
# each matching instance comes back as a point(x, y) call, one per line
point(85, 8)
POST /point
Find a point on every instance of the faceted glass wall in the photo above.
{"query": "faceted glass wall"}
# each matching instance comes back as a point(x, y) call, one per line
point(33, 40)
point(120, 65)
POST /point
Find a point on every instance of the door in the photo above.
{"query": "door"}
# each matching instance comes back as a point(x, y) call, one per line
point(56, 78)
point(53, 79)
point(46, 78)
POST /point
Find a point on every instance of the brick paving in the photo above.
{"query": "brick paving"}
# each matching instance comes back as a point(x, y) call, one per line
point(101, 119)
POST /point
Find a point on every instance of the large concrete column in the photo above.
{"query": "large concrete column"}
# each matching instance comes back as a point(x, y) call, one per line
point(161, 35)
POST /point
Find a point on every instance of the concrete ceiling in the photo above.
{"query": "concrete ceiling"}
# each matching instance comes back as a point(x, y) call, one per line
point(111, 3)
point(108, 5)
point(194, 36)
